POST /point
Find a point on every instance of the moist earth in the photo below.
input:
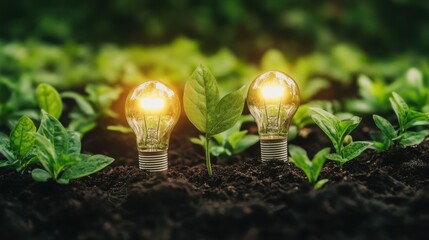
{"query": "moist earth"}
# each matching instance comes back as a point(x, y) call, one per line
point(376, 196)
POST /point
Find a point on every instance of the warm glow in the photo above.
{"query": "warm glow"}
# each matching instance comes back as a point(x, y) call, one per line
point(152, 104)
point(272, 92)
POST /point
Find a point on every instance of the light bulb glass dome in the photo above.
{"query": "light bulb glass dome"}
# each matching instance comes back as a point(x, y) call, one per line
point(152, 110)
point(273, 99)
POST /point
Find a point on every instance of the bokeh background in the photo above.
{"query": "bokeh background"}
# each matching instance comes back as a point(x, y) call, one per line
point(98, 48)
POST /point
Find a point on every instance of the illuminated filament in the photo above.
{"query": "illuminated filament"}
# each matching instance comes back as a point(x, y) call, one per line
point(273, 93)
point(152, 104)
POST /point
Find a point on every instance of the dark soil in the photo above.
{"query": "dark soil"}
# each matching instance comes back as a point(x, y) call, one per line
point(377, 196)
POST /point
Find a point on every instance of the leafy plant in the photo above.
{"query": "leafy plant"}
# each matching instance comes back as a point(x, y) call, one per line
point(206, 111)
point(407, 119)
point(49, 100)
point(299, 157)
point(92, 107)
point(337, 130)
point(231, 141)
point(374, 94)
point(58, 151)
point(18, 148)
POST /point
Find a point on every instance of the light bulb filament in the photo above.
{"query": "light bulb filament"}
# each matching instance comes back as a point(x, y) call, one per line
point(152, 104)
point(272, 92)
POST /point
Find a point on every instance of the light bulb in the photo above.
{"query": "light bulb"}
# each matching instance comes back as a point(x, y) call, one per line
point(273, 99)
point(152, 110)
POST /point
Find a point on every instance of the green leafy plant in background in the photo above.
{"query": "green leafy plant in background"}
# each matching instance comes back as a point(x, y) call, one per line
point(231, 141)
point(401, 136)
point(206, 111)
point(299, 157)
point(92, 107)
point(374, 94)
point(58, 152)
point(18, 148)
point(17, 98)
point(337, 130)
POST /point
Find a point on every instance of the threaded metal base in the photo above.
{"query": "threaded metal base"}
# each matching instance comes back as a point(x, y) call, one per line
point(153, 161)
point(274, 149)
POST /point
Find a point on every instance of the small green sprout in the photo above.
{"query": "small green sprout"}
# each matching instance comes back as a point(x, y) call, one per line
point(337, 130)
point(205, 109)
point(58, 151)
point(407, 119)
point(231, 141)
point(299, 157)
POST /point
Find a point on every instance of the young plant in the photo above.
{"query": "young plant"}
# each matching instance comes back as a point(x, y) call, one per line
point(206, 111)
point(58, 151)
point(18, 148)
point(299, 157)
point(231, 141)
point(337, 130)
point(407, 119)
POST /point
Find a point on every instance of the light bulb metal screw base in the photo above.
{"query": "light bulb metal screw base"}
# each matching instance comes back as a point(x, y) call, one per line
point(153, 161)
point(274, 149)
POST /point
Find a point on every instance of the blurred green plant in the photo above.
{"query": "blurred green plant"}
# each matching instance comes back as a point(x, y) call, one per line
point(374, 94)
point(407, 118)
point(229, 142)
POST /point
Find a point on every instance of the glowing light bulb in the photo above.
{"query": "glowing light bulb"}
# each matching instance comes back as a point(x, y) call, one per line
point(273, 99)
point(152, 110)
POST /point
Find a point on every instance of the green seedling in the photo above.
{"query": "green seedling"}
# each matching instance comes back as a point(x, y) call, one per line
point(49, 100)
point(337, 130)
point(401, 136)
point(18, 148)
point(58, 152)
point(299, 157)
point(231, 141)
point(206, 111)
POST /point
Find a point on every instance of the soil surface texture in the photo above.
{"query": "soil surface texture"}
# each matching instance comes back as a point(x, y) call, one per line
point(377, 196)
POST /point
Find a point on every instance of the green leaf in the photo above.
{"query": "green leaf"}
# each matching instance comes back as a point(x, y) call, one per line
point(227, 112)
point(400, 108)
point(354, 149)
point(40, 175)
point(412, 138)
point(385, 126)
point(21, 140)
point(46, 153)
point(245, 143)
point(320, 183)
point(54, 131)
point(197, 141)
point(415, 118)
point(86, 166)
point(327, 122)
point(49, 99)
point(318, 162)
point(347, 126)
point(335, 157)
point(74, 142)
point(298, 156)
point(119, 128)
point(236, 137)
point(81, 102)
point(200, 98)
point(5, 149)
